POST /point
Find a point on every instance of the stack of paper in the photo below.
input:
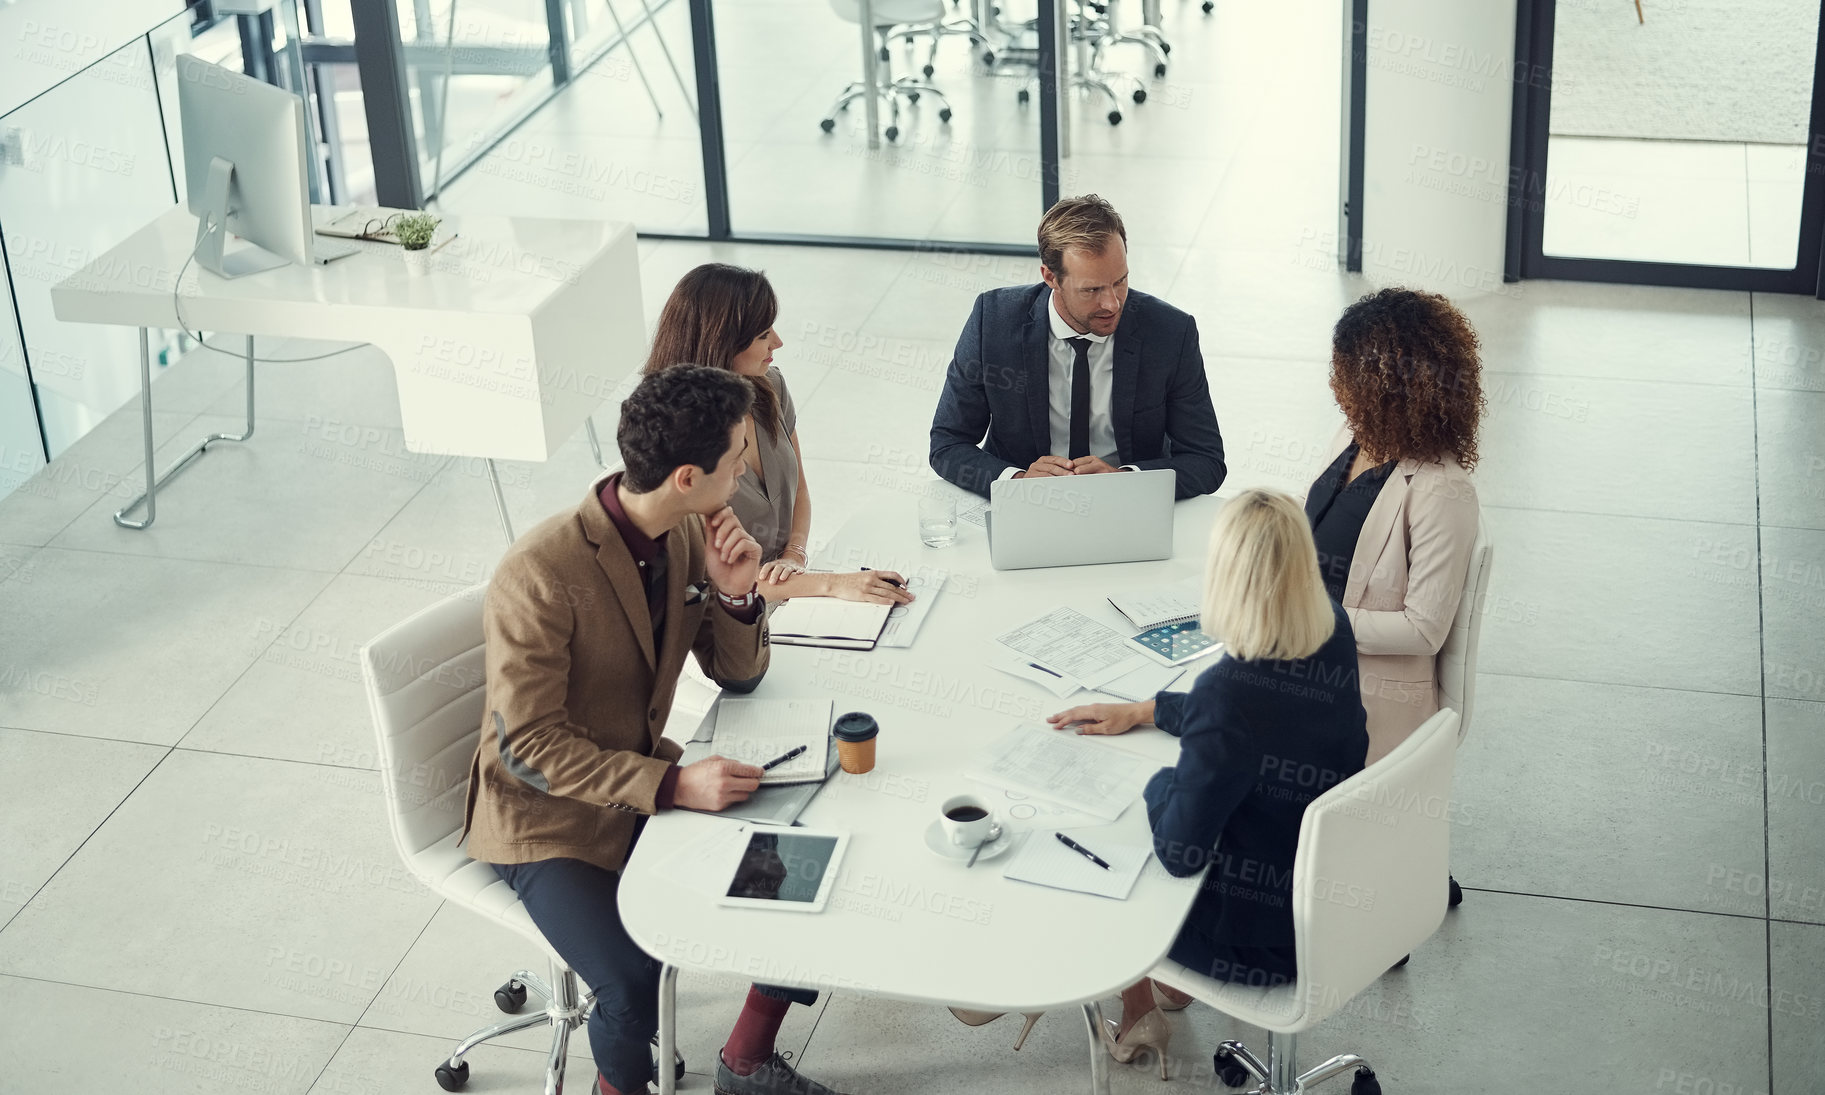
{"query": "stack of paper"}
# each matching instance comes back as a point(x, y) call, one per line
point(1092, 776)
point(1047, 861)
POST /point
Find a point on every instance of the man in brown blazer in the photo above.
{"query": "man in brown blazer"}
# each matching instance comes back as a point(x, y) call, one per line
point(587, 620)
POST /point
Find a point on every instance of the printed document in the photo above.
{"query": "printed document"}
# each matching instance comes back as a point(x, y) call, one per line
point(1083, 773)
point(1046, 861)
point(1069, 642)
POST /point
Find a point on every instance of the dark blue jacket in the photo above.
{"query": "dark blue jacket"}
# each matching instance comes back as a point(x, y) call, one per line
point(1258, 742)
point(997, 385)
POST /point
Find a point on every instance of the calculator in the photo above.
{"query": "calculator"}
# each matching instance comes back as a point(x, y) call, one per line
point(1175, 644)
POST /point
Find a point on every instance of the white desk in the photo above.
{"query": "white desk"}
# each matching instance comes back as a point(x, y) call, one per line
point(501, 352)
point(904, 923)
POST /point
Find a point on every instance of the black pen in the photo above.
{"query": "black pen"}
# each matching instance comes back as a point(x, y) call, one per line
point(889, 581)
point(777, 761)
point(1081, 850)
point(1043, 669)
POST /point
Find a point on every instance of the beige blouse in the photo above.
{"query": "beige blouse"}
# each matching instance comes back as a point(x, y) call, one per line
point(766, 511)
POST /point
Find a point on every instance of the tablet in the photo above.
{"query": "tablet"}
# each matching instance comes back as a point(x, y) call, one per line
point(793, 869)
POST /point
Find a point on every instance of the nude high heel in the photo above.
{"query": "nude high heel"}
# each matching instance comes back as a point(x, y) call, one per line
point(1163, 997)
point(982, 1018)
point(1150, 1031)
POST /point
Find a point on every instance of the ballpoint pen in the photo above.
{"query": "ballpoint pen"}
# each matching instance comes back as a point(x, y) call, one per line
point(889, 581)
point(779, 760)
point(1081, 850)
point(1046, 671)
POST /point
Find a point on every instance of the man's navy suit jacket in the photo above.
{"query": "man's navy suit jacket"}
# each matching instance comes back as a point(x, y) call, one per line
point(997, 388)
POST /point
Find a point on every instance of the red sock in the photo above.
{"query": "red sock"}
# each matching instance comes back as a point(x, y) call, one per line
point(751, 1042)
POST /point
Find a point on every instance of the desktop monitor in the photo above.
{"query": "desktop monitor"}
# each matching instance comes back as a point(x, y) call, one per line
point(244, 164)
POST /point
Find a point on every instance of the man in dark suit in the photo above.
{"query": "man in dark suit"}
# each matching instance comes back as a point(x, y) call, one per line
point(1077, 375)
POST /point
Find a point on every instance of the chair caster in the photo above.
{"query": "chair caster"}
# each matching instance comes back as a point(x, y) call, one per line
point(453, 1079)
point(893, 132)
point(1230, 1070)
point(1023, 96)
point(1209, 6)
point(988, 57)
point(928, 70)
point(827, 125)
point(1140, 95)
point(912, 96)
point(1165, 47)
point(1455, 895)
point(1403, 961)
point(944, 115)
point(1160, 71)
point(884, 54)
point(677, 1063)
point(510, 997)
point(1365, 1082)
point(1115, 117)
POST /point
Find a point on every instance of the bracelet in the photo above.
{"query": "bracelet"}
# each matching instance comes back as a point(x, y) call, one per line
point(746, 600)
point(802, 554)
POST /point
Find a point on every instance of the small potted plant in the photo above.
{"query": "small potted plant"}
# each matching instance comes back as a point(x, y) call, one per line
point(414, 233)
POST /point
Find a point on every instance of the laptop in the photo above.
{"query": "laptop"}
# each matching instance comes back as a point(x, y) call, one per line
point(1063, 521)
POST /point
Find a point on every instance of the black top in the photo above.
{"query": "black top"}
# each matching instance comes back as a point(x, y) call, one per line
point(1258, 742)
point(1337, 510)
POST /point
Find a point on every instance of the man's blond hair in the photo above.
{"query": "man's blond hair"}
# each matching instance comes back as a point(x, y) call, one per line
point(1086, 223)
point(1263, 596)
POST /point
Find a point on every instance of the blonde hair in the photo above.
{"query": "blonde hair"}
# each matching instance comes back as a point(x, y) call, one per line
point(1263, 596)
point(1086, 223)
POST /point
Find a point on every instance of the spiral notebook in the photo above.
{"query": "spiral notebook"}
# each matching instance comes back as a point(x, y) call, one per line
point(1151, 608)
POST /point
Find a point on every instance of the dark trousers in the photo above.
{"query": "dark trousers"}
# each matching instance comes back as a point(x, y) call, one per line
point(573, 903)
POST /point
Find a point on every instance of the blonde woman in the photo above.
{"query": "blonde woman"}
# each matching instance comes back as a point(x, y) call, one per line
point(1275, 723)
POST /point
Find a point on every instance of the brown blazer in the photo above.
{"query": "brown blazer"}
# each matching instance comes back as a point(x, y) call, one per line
point(1406, 579)
point(571, 752)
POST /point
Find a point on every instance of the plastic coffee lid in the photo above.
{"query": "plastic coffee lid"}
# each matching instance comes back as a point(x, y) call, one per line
point(855, 726)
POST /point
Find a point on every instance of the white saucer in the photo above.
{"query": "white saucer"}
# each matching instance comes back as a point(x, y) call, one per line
point(940, 845)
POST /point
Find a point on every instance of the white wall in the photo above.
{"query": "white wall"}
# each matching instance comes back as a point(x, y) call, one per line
point(44, 42)
point(1437, 114)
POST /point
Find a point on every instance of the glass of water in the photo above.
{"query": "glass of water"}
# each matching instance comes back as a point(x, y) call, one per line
point(938, 520)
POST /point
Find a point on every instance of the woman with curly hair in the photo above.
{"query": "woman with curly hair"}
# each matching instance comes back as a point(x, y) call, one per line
point(1394, 515)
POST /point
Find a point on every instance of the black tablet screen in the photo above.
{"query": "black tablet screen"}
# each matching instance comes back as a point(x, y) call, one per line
point(782, 866)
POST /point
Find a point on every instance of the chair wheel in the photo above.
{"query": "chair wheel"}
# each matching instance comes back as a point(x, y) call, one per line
point(1115, 117)
point(1454, 895)
point(827, 124)
point(912, 96)
point(1230, 1070)
point(1140, 94)
point(453, 1079)
point(884, 54)
point(1023, 96)
point(1159, 70)
point(1165, 47)
point(1403, 961)
point(944, 115)
point(510, 997)
point(1365, 1082)
point(988, 56)
point(1209, 7)
point(928, 70)
point(893, 132)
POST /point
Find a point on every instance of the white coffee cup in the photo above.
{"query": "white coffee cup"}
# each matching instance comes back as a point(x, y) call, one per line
point(967, 821)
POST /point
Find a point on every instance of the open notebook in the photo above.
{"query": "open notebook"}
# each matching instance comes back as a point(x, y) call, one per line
point(757, 731)
point(829, 622)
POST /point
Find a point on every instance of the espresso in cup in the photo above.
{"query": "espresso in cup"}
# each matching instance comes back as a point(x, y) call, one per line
point(967, 821)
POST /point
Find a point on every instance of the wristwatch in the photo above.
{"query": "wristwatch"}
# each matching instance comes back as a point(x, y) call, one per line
point(738, 604)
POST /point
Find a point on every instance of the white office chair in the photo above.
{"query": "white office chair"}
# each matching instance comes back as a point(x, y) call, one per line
point(892, 19)
point(424, 683)
point(1457, 657)
point(1365, 893)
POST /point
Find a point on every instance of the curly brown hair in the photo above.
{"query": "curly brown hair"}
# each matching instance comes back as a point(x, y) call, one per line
point(1405, 370)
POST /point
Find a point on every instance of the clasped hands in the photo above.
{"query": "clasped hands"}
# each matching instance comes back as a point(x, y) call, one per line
point(1058, 465)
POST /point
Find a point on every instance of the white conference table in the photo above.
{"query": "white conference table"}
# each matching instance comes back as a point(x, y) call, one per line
point(520, 329)
point(904, 923)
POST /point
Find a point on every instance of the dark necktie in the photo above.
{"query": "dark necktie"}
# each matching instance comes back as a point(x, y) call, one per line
point(1080, 398)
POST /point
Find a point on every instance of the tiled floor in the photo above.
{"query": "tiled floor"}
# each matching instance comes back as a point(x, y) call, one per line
point(198, 894)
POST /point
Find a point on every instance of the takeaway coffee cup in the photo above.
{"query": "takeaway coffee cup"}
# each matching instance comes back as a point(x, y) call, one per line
point(967, 821)
point(855, 733)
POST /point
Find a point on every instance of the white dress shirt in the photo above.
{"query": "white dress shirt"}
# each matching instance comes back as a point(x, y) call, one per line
point(1061, 360)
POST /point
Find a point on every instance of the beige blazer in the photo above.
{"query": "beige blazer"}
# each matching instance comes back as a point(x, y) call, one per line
point(1406, 579)
point(572, 752)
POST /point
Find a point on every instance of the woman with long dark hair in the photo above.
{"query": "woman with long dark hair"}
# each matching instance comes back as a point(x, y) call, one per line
point(722, 315)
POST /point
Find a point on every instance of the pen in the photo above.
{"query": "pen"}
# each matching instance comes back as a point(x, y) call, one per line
point(1081, 850)
point(889, 581)
point(1043, 669)
point(777, 761)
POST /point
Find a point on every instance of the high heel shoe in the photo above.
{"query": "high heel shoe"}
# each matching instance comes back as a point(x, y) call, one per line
point(1162, 996)
point(1150, 1031)
point(982, 1018)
